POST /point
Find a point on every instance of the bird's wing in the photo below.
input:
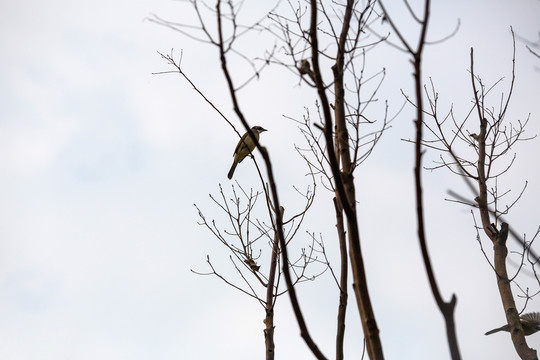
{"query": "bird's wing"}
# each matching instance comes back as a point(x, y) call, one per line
point(240, 142)
point(531, 317)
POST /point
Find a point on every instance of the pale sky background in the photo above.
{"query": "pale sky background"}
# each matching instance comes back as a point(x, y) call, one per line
point(101, 162)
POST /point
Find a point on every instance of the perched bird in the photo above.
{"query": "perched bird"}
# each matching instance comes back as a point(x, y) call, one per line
point(244, 148)
point(305, 69)
point(530, 323)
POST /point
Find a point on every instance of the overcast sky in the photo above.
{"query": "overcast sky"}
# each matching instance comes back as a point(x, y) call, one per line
point(101, 163)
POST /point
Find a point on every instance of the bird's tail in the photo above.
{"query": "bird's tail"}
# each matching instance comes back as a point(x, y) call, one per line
point(494, 330)
point(231, 172)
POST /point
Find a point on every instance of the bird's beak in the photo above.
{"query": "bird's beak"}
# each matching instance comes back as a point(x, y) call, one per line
point(263, 129)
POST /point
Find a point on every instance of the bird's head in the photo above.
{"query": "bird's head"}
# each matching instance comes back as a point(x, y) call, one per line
point(258, 129)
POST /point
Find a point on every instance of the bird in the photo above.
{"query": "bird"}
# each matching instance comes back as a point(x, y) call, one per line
point(305, 69)
point(529, 322)
point(244, 148)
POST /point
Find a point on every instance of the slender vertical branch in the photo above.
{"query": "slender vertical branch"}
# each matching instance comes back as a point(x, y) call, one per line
point(343, 281)
point(270, 299)
point(498, 237)
point(304, 333)
point(344, 180)
point(446, 308)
